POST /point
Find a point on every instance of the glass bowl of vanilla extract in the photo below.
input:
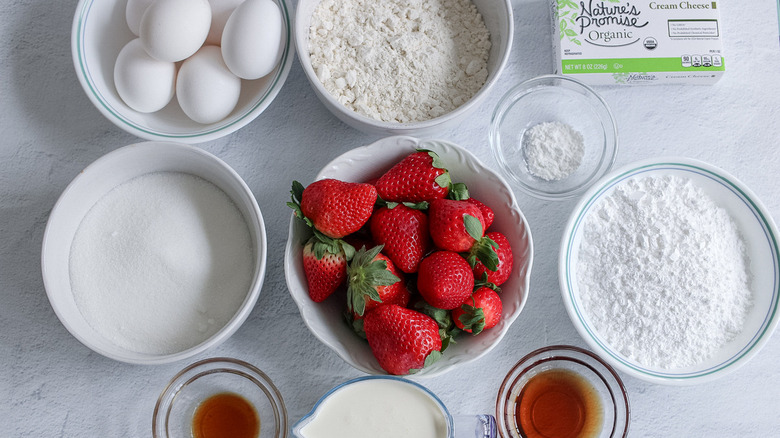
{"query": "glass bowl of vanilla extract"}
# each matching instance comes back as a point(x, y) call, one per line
point(220, 397)
point(562, 391)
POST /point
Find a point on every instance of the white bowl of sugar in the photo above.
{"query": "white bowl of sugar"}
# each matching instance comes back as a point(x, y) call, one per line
point(669, 271)
point(154, 253)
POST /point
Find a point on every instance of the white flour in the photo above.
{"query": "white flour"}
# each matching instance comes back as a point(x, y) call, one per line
point(399, 60)
point(663, 272)
point(161, 263)
point(553, 150)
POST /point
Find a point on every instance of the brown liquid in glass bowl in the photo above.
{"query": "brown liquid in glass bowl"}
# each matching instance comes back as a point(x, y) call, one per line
point(558, 403)
point(225, 415)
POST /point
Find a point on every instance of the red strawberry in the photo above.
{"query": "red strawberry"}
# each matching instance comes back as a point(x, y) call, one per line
point(480, 311)
point(325, 266)
point(445, 280)
point(455, 225)
point(404, 233)
point(373, 279)
point(419, 177)
point(505, 261)
point(401, 339)
point(487, 212)
point(335, 208)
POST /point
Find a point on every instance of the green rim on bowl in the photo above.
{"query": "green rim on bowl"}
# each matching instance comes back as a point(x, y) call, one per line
point(745, 199)
point(208, 132)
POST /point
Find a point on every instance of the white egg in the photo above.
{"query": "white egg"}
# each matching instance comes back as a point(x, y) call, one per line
point(220, 11)
point(144, 83)
point(252, 40)
point(173, 30)
point(207, 91)
point(134, 11)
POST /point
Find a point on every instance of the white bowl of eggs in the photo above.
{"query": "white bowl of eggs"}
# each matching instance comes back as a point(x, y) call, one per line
point(183, 70)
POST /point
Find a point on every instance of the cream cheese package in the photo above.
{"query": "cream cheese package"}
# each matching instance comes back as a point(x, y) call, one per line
point(614, 42)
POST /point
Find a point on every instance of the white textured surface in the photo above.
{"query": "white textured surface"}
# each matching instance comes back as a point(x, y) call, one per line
point(50, 385)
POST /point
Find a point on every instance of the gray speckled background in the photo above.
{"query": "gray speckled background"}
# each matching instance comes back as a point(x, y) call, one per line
point(51, 385)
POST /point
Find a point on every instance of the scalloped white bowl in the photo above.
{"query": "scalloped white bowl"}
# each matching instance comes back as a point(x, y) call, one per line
point(325, 319)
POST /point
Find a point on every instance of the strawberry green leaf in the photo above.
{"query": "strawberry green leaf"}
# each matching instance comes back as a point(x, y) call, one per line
point(297, 191)
point(443, 180)
point(364, 275)
point(483, 282)
point(472, 319)
point(432, 357)
point(473, 226)
point(458, 192)
point(484, 250)
point(442, 317)
point(356, 324)
point(349, 250)
point(422, 205)
point(437, 161)
point(296, 194)
point(391, 205)
point(446, 340)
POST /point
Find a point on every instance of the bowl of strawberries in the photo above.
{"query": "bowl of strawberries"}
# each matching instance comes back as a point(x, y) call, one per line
point(402, 246)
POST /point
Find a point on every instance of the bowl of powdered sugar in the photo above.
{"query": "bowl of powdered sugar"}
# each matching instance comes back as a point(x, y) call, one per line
point(154, 253)
point(669, 271)
point(403, 68)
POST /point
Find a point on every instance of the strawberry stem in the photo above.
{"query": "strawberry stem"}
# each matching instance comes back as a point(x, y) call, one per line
point(364, 275)
point(484, 250)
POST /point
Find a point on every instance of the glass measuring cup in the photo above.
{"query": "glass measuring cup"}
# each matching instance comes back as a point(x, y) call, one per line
point(415, 408)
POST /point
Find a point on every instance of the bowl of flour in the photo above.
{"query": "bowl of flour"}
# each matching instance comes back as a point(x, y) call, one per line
point(154, 253)
point(669, 270)
point(403, 68)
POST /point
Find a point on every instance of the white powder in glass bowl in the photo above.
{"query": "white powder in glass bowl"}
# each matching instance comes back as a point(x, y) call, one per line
point(552, 150)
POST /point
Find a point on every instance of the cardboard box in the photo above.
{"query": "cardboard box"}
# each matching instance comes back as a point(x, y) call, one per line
point(608, 42)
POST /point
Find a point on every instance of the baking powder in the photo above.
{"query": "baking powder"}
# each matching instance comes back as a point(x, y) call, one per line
point(663, 272)
point(161, 263)
point(399, 60)
point(552, 150)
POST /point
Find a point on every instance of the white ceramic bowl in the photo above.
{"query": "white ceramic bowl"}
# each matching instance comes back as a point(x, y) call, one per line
point(761, 238)
point(499, 22)
point(100, 31)
point(325, 319)
point(102, 176)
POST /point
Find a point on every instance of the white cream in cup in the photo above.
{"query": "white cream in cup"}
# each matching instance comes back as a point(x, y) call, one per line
point(388, 407)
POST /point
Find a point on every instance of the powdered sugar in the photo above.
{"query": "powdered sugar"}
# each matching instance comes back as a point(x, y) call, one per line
point(399, 60)
point(663, 272)
point(552, 150)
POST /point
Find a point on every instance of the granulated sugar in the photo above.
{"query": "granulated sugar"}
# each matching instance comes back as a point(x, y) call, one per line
point(399, 60)
point(161, 263)
point(663, 272)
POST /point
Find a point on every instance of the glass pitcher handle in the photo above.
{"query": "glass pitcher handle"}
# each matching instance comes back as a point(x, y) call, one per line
point(474, 426)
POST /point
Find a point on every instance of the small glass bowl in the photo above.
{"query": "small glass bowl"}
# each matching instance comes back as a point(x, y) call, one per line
point(173, 414)
point(553, 98)
point(607, 385)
